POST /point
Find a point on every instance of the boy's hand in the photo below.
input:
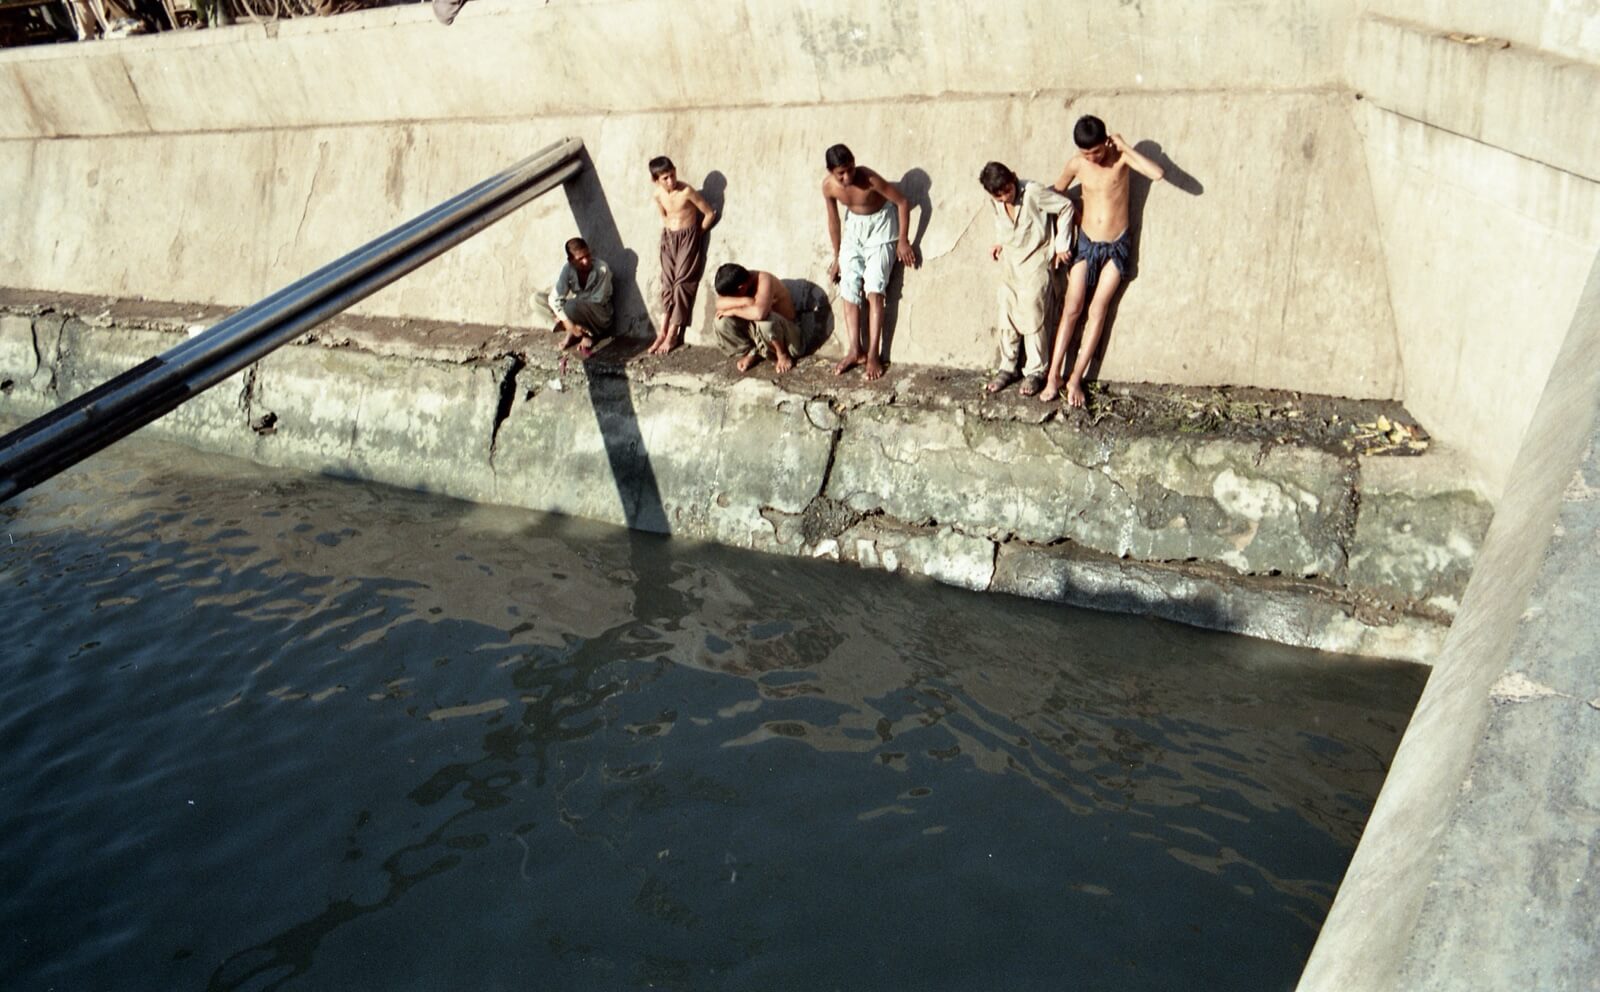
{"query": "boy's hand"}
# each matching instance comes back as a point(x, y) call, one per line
point(833, 270)
point(1062, 258)
point(1118, 143)
point(994, 252)
point(905, 254)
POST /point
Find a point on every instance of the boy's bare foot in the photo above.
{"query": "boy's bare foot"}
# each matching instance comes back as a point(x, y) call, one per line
point(1051, 390)
point(1075, 395)
point(849, 362)
point(1031, 385)
point(671, 344)
point(746, 363)
point(658, 346)
point(874, 368)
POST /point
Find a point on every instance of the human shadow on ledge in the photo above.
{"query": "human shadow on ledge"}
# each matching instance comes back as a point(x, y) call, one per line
point(612, 396)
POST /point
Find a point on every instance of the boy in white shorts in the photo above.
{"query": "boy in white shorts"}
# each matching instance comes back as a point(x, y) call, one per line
point(874, 235)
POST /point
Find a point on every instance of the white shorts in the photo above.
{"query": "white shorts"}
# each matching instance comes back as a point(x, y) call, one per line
point(866, 252)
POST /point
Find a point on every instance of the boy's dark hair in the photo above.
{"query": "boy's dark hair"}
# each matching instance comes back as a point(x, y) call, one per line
point(838, 155)
point(573, 244)
point(730, 279)
point(660, 164)
point(995, 177)
point(1089, 132)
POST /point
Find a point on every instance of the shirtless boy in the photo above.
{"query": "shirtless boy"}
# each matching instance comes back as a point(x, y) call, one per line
point(685, 217)
point(877, 218)
point(1101, 169)
point(755, 318)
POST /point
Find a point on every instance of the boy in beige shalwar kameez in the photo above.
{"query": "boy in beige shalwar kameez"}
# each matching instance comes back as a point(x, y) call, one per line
point(1034, 232)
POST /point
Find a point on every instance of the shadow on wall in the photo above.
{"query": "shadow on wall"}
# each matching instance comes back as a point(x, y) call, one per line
point(917, 187)
point(612, 396)
point(1138, 194)
point(715, 190)
point(813, 311)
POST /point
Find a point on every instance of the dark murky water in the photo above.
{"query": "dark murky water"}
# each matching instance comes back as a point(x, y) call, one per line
point(262, 732)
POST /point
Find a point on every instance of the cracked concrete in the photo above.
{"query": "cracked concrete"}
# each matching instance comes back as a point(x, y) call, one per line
point(911, 476)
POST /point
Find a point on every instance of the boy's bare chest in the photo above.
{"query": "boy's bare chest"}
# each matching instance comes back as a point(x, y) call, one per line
point(858, 199)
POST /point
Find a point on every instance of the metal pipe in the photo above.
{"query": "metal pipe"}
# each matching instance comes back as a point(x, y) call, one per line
point(109, 412)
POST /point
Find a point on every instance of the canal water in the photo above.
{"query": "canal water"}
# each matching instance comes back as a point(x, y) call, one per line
point(269, 731)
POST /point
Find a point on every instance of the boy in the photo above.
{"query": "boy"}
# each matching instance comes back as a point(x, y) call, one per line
point(1033, 234)
point(580, 302)
point(685, 217)
point(877, 218)
point(1101, 168)
point(755, 315)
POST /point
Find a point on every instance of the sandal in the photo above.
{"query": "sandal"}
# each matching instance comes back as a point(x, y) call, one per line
point(1000, 381)
point(1031, 385)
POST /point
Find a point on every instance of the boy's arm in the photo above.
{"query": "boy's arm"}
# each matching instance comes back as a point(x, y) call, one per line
point(757, 307)
point(1136, 161)
point(833, 229)
point(892, 193)
point(1069, 172)
point(738, 306)
point(661, 208)
point(708, 216)
point(1060, 205)
point(558, 292)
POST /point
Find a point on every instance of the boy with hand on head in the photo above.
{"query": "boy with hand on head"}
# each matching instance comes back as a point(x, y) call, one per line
point(1033, 234)
point(580, 302)
point(685, 217)
point(877, 218)
point(755, 317)
point(1101, 169)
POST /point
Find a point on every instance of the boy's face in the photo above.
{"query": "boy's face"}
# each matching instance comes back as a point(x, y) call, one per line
point(1007, 194)
point(668, 180)
point(842, 174)
point(1099, 153)
point(581, 261)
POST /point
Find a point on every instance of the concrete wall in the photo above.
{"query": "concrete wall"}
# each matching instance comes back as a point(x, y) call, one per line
point(1213, 530)
point(1485, 169)
point(216, 166)
point(1476, 869)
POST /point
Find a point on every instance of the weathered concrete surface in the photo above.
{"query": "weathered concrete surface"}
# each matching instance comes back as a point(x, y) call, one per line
point(1477, 866)
point(920, 474)
point(127, 184)
point(1485, 172)
point(1330, 272)
point(1279, 610)
point(1160, 499)
point(1420, 528)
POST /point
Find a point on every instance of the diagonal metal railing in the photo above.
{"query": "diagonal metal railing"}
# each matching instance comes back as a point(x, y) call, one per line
point(111, 411)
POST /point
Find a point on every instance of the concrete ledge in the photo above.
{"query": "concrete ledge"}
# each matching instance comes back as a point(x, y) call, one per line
point(920, 474)
point(1522, 100)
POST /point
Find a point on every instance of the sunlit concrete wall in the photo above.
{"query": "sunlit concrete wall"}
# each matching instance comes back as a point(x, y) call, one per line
point(1484, 160)
point(216, 166)
point(1358, 202)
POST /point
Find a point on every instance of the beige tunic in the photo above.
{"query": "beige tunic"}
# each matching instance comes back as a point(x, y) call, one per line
point(1043, 226)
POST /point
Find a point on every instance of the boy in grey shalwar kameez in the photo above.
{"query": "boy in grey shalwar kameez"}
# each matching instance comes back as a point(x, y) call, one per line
point(1033, 233)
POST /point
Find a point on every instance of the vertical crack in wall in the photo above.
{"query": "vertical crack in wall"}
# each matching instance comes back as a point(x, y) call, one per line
point(515, 363)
